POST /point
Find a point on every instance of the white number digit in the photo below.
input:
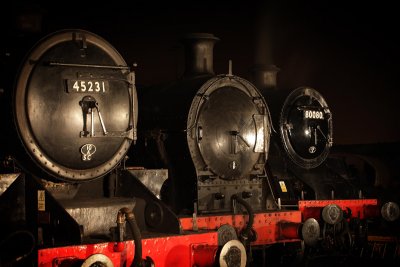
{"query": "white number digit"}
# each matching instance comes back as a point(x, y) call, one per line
point(308, 114)
point(89, 86)
point(90, 83)
point(97, 86)
point(76, 86)
point(83, 86)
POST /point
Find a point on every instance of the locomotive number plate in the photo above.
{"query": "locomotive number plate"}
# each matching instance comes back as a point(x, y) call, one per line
point(87, 86)
point(312, 114)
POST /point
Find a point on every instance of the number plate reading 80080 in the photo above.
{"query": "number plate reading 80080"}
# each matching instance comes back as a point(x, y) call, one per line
point(87, 86)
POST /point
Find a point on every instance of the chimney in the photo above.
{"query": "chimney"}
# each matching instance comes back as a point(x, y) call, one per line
point(264, 76)
point(264, 73)
point(199, 53)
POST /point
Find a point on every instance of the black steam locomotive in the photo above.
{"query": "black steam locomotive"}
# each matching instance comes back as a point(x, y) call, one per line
point(74, 108)
point(210, 182)
point(211, 131)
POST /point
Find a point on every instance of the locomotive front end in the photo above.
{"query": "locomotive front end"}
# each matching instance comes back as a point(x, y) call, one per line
point(75, 106)
point(214, 138)
point(306, 127)
point(228, 133)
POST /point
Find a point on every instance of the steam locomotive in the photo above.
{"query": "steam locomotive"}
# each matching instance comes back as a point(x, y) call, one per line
point(209, 182)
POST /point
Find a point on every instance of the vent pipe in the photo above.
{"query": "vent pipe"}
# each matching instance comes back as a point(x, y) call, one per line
point(199, 54)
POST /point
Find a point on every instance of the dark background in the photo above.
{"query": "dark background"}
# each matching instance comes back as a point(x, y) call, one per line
point(349, 53)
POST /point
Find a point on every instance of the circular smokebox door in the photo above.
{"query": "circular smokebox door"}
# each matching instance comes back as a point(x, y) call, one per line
point(74, 107)
point(306, 127)
point(228, 132)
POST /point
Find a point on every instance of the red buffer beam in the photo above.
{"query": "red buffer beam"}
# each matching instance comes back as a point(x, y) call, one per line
point(361, 208)
point(269, 227)
point(179, 251)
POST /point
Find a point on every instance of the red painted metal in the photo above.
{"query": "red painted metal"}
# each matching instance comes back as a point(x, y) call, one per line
point(360, 208)
point(289, 230)
point(194, 248)
point(204, 255)
point(179, 251)
point(270, 227)
point(372, 211)
point(199, 245)
point(119, 246)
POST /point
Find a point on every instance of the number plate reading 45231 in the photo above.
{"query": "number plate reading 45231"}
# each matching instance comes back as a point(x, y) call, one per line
point(87, 86)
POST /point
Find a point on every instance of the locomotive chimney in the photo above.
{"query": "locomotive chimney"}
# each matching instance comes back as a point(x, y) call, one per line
point(264, 73)
point(199, 53)
point(264, 76)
